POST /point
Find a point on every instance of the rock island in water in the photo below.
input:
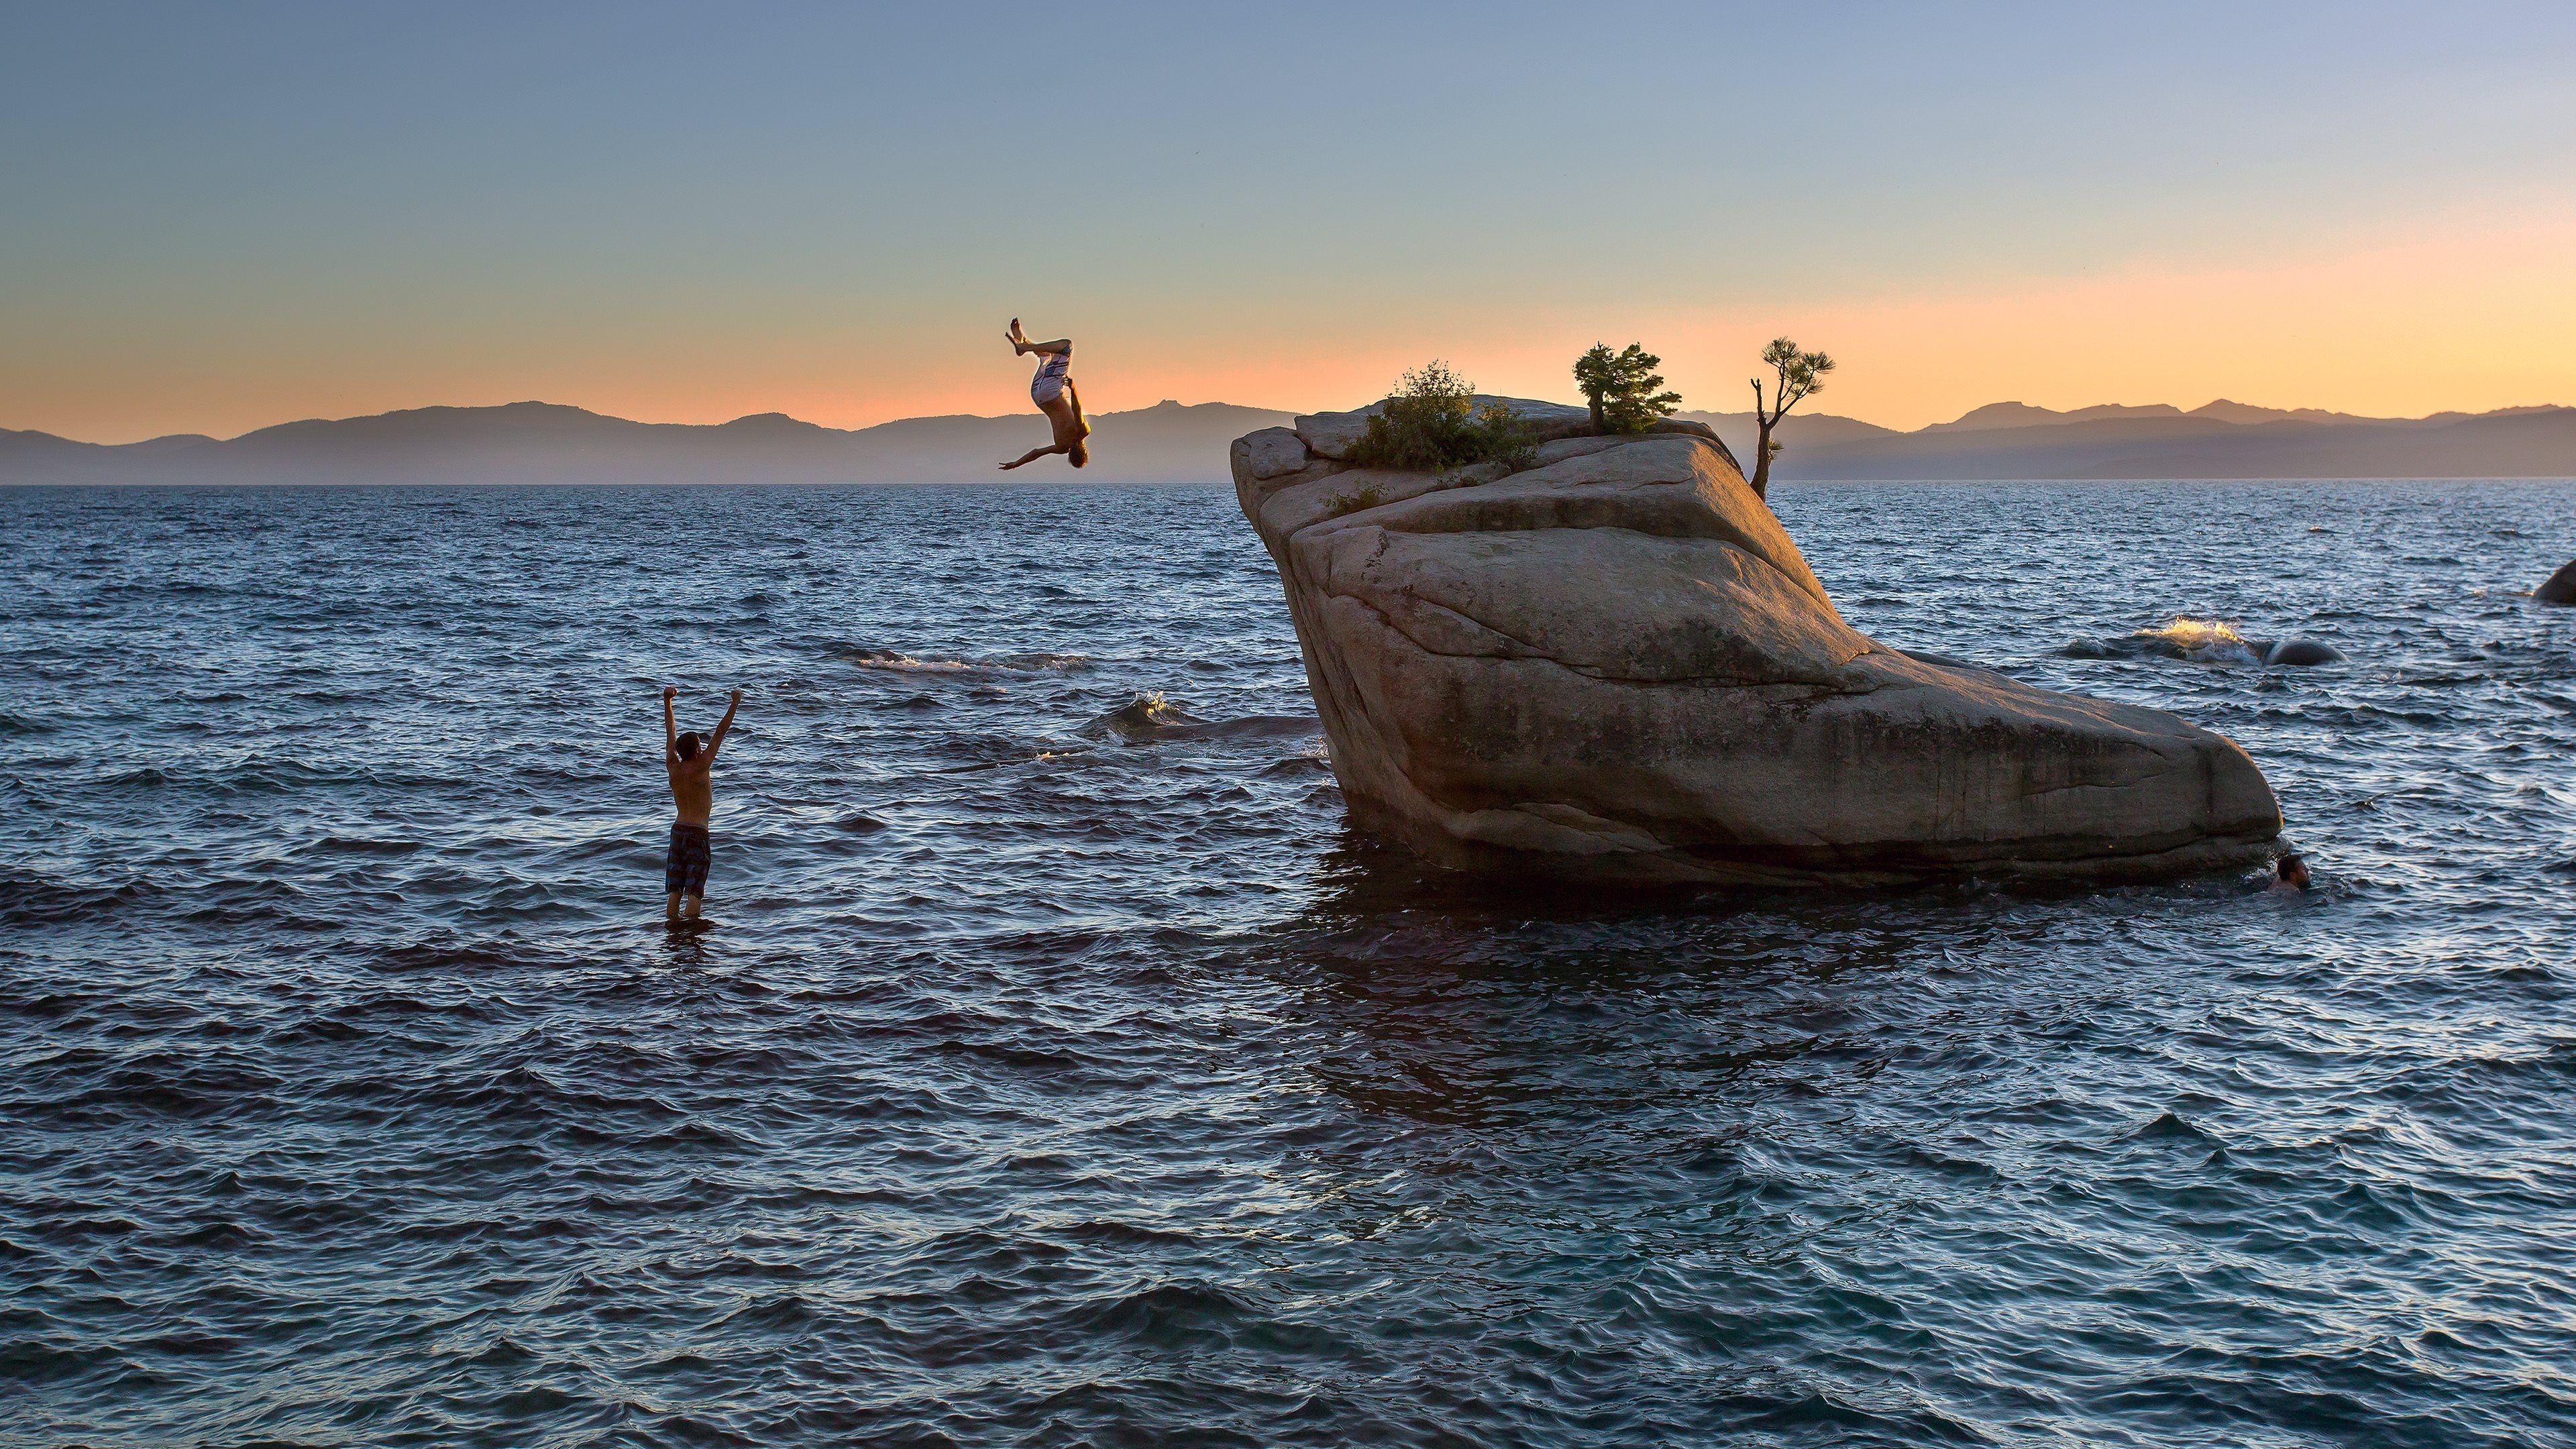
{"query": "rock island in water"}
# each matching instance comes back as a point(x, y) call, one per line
point(1616, 666)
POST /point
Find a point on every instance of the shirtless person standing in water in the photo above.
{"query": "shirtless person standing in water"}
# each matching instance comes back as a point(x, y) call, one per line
point(1056, 396)
point(689, 758)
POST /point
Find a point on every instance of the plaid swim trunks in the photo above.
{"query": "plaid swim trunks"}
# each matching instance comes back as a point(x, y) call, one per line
point(685, 870)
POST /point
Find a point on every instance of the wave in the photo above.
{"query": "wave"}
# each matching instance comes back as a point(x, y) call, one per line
point(40, 901)
point(1037, 662)
point(273, 775)
point(897, 660)
point(2201, 641)
point(1297, 766)
point(891, 659)
point(2206, 641)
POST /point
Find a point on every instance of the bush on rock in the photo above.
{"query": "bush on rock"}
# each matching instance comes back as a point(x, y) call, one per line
point(1432, 423)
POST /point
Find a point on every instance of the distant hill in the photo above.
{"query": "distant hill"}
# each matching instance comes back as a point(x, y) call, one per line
point(1801, 431)
point(2237, 412)
point(2204, 443)
point(546, 443)
point(2217, 440)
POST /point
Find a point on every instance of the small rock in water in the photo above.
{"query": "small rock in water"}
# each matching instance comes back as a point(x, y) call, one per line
point(2561, 588)
point(1145, 717)
point(2201, 641)
point(2303, 650)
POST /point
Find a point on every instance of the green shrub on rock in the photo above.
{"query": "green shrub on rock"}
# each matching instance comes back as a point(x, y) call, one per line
point(1503, 437)
point(1432, 423)
point(1366, 496)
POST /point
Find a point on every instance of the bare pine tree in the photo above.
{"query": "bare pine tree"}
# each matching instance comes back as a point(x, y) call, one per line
point(1801, 375)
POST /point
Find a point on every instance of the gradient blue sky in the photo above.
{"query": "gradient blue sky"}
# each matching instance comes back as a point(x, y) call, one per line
point(219, 217)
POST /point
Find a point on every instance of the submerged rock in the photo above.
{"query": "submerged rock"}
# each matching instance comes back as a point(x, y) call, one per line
point(2561, 587)
point(2302, 650)
point(1617, 666)
point(1146, 717)
point(1151, 719)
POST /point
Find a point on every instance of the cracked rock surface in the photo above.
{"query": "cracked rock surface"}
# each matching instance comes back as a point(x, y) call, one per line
point(1616, 666)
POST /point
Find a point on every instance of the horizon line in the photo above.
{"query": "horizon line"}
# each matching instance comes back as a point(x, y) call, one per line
point(2178, 410)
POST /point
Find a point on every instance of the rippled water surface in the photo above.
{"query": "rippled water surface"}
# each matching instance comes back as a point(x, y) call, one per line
point(1062, 1071)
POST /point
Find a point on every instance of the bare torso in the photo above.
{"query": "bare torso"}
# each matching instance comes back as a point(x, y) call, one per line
point(693, 788)
point(1064, 415)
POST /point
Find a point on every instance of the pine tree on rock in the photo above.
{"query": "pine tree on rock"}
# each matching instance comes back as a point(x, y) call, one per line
point(1621, 388)
point(1801, 375)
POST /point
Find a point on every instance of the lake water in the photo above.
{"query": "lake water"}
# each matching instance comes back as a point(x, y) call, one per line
point(1054, 1075)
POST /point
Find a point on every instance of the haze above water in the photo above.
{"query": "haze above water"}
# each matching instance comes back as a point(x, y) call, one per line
point(1060, 1070)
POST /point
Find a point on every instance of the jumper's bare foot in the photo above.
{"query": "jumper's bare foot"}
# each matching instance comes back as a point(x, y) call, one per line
point(1019, 339)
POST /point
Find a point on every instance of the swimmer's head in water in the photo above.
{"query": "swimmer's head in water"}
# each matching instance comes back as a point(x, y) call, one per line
point(688, 744)
point(1079, 454)
point(2293, 871)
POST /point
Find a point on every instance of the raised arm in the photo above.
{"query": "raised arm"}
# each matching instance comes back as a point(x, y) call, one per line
point(670, 731)
point(1033, 454)
point(724, 725)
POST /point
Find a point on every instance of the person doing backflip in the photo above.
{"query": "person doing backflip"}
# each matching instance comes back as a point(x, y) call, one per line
point(1056, 396)
point(690, 759)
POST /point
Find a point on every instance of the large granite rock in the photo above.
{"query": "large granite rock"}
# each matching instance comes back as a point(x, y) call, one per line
point(2559, 589)
point(1616, 666)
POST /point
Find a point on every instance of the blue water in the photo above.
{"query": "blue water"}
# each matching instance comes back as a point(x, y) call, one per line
point(1053, 1075)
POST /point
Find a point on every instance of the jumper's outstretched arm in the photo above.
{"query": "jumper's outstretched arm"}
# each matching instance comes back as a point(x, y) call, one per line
point(1033, 454)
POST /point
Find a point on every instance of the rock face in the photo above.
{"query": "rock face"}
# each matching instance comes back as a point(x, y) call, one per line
point(1616, 666)
point(2560, 589)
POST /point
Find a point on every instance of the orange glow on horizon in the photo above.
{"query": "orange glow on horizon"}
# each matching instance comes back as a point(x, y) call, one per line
point(2449, 312)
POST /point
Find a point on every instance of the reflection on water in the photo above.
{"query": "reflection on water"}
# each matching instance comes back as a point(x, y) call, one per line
point(1061, 1068)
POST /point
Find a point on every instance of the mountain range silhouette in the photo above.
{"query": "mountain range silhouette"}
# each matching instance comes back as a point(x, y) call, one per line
point(533, 442)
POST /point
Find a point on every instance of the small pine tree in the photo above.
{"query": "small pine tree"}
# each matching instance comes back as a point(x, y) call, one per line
point(1621, 388)
point(1800, 375)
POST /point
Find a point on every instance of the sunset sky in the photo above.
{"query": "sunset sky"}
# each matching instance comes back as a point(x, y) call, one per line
point(221, 217)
